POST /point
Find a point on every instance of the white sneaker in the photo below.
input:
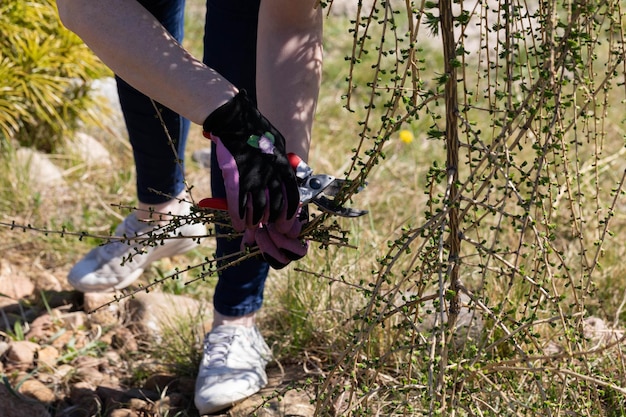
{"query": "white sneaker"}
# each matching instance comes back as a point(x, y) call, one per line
point(118, 264)
point(232, 367)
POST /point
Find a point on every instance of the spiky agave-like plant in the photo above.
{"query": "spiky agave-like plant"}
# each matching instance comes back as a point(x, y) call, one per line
point(45, 74)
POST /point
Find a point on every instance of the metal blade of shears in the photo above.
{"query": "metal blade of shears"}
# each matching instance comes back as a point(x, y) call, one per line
point(329, 206)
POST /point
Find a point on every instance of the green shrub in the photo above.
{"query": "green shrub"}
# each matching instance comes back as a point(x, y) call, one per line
point(45, 72)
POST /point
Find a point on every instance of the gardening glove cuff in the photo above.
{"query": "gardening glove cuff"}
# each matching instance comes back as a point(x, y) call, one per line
point(260, 184)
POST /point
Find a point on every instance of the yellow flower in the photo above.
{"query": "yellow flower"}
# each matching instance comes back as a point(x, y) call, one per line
point(406, 136)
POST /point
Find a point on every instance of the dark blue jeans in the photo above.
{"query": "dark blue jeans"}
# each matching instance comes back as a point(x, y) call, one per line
point(230, 49)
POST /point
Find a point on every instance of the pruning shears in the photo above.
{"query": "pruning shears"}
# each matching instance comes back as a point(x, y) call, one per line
point(318, 189)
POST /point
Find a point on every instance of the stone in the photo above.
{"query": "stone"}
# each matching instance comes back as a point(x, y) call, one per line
point(100, 308)
point(104, 91)
point(202, 157)
point(124, 339)
point(13, 284)
point(88, 362)
point(90, 150)
point(46, 281)
point(4, 346)
point(90, 375)
point(137, 404)
point(41, 328)
point(291, 403)
point(87, 369)
point(61, 373)
point(42, 173)
point(597, 331)
point(154, 313)
point(74, 320)
point(469, 324)
point(36, 389)
point(93, 301)
point(62, 340)
point(113, 358)
point(22, 353)
point(47, 356)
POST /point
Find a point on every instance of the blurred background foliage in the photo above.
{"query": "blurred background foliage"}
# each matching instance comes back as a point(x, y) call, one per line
point(45, 75)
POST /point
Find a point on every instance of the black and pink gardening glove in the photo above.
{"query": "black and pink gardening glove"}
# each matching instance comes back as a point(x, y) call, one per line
point(279, 248)
point(260, 183)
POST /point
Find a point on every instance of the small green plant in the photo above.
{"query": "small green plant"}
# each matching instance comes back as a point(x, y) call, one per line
point(45, 74)
point(181, 349)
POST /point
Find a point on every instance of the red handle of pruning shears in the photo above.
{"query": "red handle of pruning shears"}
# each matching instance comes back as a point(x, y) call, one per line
point(214, 203)
point(297, 164)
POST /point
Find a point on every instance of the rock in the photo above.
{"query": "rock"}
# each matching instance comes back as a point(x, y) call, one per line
point(91, 376)
point(100, 311)
point(90, 150)
point(469, 324)
point(88, 362)
point(46, 281)
point(113, 358)
point(61, 373)
point(137, 404)
point(292, 403)
point(4, 346)
point(15, 405)
point(153, 314)
point(13, 284)
point(74, 320)
point(124, 339)
point(63, 339)
point(21, 354)
point(42, 173)
point(597, 331)
point(112, 397)
point(47, 356)
point(202, 157)
point(37, 390)
point(87, 369)
point(41, 328)
point(104, 90)
point(93, 301)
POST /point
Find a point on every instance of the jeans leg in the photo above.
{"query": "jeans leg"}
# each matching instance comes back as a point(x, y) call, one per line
point(160, 171)
point(230, 49)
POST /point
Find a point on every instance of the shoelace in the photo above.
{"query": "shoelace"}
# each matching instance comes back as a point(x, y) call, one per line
point(216, 348)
